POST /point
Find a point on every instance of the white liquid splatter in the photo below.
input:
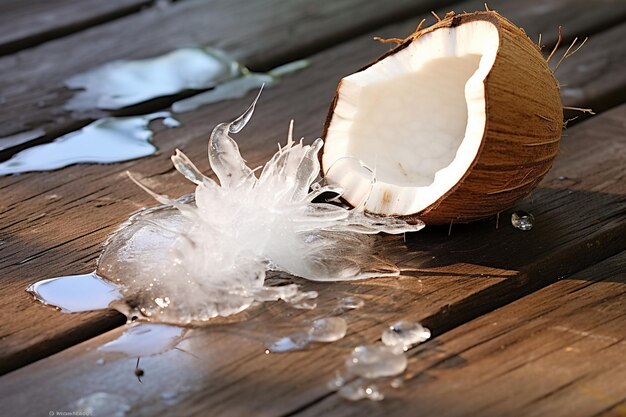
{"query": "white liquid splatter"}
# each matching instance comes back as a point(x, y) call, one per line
point(108, 140)
point(121, 84)
point(145, 339)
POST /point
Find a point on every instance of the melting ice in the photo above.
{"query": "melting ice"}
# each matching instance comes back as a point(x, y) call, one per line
point(324, 330)
point(368, 365)
point(208, 255)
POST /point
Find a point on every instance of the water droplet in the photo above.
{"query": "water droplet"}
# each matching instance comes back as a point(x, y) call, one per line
point(145, 339)
point(375, 361)
point(403, 335)
point(100, 404)
point(522, 220)
point(396, 382)
point(296, 341)
point(328, 329)
point(337, 382)
point(75, 293)
point(350, 302)
point(359, 389)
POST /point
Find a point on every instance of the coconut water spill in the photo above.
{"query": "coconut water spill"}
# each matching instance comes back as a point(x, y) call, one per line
point(120, 84)
point(108, 140)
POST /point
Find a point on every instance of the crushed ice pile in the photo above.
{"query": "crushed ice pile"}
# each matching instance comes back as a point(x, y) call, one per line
point(204, 256)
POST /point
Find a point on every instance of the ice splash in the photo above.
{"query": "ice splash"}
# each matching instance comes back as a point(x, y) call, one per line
point(121, 84)
point(369, 365)
point(208, 255)
point(108, 140)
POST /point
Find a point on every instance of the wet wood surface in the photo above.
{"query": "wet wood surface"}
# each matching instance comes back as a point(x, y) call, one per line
point(467, 277)
point(40, 240)
point(557, 352)
point(53, 224)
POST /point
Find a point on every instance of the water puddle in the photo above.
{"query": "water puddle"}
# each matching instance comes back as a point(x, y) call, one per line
point(368, 367)
point(75, 293)
point(121, 84)
point(108, 140)
point(145, 339)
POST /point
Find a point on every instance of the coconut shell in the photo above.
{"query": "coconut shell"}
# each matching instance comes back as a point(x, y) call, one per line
point(524, 120)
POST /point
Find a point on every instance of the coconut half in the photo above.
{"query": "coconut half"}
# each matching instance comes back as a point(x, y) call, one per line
point(457, 123)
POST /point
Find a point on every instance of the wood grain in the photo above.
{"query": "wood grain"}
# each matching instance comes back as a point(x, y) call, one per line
point(53, 223)
point(455, 278)
point(27, 23)
point(557, 352)
point(261, 34)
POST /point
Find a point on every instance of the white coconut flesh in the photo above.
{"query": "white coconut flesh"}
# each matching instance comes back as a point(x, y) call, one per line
point(416, 119)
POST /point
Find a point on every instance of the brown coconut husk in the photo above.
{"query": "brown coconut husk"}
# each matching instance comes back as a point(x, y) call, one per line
point(524, 120)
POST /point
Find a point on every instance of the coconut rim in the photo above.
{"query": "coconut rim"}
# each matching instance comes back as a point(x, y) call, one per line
point(451, 20)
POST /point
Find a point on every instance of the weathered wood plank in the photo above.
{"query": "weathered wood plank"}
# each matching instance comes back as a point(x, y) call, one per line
point(595, 78)
point(38, 208)
point(474, 270)
point(557, 352)
point(262, 34)
point(27, 23)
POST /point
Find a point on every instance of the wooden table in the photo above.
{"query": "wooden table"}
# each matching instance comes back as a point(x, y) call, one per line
point(524, 323)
